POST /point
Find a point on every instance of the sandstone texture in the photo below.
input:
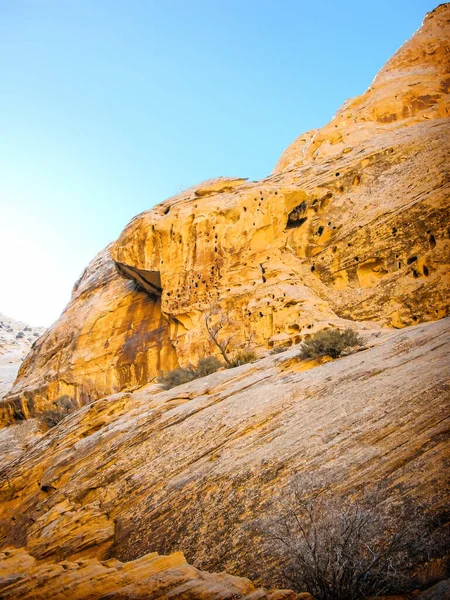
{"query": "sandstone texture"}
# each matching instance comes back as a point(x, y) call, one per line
point(194, 467)
point(352, 226)
point(111, 487)
point(16, 339)
point(152, 576)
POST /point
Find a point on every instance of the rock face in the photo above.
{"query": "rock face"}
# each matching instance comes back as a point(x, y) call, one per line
point(110, 336)
point(351, 225)
point(152, 576)
point(100, 469)
point(16, 339)
point(192, 468)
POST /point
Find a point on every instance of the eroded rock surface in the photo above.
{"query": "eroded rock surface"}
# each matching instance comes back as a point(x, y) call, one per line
point(192, 468)
point(352, 225)
point(152, 576)
point(98, 465)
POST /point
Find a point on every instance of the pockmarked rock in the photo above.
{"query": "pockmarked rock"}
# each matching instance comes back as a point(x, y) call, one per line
point(350, 228)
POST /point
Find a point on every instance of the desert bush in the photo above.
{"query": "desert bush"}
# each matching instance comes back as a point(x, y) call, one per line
point(241, 358)
point(176, 377)
point(279, 349)
point(330, 342)
point(207, 365)
point(339, 550)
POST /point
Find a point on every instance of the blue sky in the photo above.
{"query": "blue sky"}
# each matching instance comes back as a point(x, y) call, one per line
point(108, 107)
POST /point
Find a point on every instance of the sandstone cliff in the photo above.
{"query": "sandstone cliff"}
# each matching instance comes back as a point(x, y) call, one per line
point(194, 467)
point(352, 225)
point(100, 469)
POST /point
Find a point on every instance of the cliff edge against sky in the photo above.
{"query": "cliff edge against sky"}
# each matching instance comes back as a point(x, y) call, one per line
point(350, 230)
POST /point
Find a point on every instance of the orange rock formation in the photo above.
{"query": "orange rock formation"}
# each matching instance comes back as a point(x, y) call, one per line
point(152, 576)
point(352, 224)
point(192, 468)
point(349, 230)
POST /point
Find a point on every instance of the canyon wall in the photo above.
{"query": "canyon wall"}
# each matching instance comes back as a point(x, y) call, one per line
point(199, 467)
point(351, 228)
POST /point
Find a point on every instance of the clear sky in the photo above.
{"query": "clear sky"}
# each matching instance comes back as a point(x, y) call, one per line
point(108, 107)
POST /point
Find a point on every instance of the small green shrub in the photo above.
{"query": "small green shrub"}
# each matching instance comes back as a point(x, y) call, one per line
point(205, 366)
point(208, 365)
point(331, 342)
point(241, 358)
point(176, 377)
point(279, 349)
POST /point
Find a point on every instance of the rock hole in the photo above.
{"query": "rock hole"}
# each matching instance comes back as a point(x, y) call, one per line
point(320, 231)
point(47, 488)
point(313, 268)
point(295, 218)
point(432, 241)
point(337, 174)
point(356, 258)
point(245, 209)
point(261, 315)
point(394, 230)
point(415, 274)
point(325, 201)
point(425, 270)
point(411, 259)
point(166, 212)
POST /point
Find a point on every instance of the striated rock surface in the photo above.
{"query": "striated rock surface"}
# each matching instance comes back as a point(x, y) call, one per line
point(352, 226)
point(152, 576)
point(194, 467)
point(112, 335)
point(16, 339)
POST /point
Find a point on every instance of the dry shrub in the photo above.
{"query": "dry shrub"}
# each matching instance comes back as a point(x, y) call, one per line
point(279, 349)
point(176, 377)
point(205, 366)
point(242, 358)
point(330, 342)
point(341, 550)
point(208, 365)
